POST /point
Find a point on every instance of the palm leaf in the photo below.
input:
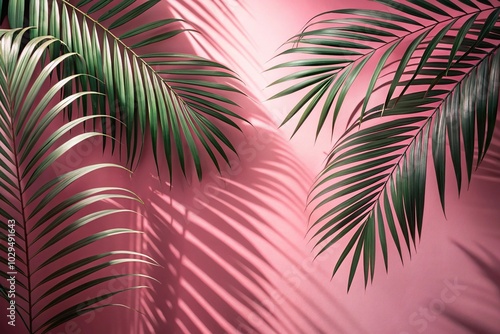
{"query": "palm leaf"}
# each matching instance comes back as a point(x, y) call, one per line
point(43, 211)
point(442, 88)
point(89, 28)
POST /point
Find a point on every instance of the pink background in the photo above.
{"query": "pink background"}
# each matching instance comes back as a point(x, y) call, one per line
point(233, 249)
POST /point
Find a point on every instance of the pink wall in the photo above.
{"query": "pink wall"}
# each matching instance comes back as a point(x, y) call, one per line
point(232, 248)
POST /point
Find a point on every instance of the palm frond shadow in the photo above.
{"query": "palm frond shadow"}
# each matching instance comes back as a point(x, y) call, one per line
point(214, 240)
point(488, 263)
point(223, 36)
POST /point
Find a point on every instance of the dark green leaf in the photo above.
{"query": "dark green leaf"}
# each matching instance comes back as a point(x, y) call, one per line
point(133, 14)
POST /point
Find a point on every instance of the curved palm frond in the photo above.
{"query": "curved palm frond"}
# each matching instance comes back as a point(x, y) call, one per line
point(39, 212)
point(438, 66)
point(182, 97)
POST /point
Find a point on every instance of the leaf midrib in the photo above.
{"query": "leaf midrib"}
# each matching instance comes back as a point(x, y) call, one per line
point(23, 212)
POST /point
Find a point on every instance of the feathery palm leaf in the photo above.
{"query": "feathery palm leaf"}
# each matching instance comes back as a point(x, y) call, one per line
point(38, 211)
point(443, 88)
point(181, 97)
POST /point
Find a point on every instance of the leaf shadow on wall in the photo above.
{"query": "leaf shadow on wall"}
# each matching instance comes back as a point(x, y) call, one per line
point(488, 263)
point(222, 36)
point(479, 307)
point(221, 242)
point(232, 247)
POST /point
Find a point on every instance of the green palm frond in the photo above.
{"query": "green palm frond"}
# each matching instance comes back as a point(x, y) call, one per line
point(182, 98)
point(437, 66)
point(38, 211)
